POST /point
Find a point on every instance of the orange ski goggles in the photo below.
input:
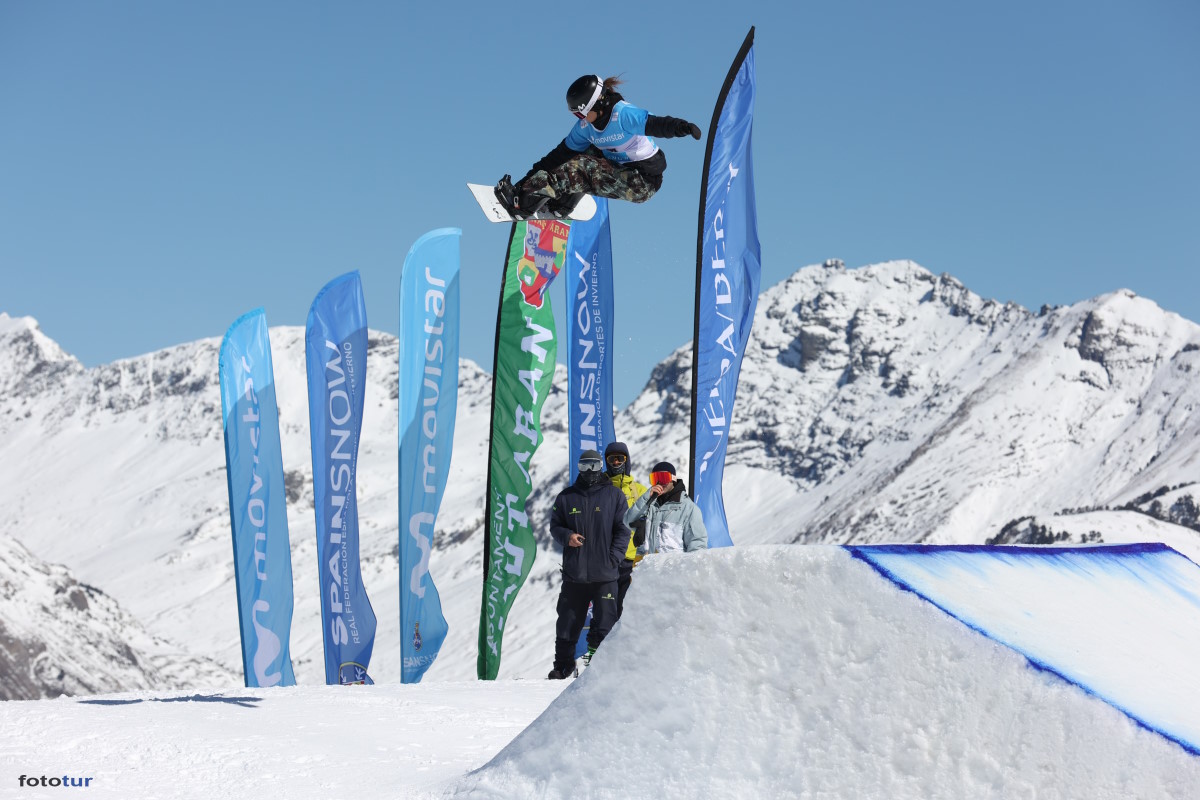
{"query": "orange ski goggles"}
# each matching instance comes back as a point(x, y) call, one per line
point(661, 479)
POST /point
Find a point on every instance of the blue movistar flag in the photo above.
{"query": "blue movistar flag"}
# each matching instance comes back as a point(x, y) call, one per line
point(336, 350)
point(590, 320)
point(727, 279)
point(262, 555)
point(428, 402)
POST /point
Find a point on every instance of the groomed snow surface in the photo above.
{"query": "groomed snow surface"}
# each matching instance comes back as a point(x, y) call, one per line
point(774, 671)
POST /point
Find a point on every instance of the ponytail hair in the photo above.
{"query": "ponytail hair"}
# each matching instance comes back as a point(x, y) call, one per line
point(611, 96)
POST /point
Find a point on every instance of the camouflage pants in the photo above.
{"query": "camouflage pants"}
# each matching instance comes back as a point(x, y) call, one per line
point(592, 173)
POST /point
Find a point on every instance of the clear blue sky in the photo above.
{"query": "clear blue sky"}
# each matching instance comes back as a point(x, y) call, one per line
point(165, 167)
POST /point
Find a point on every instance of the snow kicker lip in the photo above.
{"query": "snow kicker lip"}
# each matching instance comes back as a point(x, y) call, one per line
point(972, 584)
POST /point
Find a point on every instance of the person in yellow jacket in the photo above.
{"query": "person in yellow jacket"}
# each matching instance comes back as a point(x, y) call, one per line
point(616, 460)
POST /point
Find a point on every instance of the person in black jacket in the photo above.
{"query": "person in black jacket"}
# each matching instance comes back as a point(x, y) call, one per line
point(610, 153)
point(588, 521)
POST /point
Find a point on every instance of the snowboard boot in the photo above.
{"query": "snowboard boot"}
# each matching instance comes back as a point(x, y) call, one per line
point(506, 193)
point(558, 674)
point(587, 658)
point(562, 207)
point(530, 204)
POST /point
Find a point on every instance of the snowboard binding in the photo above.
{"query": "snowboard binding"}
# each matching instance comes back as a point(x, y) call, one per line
point(533, 205)
point(519, 205)
point(506, 202)
point(506, 193)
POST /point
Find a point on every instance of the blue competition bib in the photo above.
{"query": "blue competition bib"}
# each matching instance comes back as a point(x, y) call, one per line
point(623, 140)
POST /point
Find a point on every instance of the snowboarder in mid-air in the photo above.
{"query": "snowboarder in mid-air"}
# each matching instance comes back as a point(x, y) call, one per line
point(609, 153)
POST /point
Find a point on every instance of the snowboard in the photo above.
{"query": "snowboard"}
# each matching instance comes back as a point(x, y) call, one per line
point(486, 197)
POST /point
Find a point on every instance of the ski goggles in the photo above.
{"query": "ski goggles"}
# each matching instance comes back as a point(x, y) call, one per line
point(581, 111)
point(591, 465)
point(616, 460)
point(661, 479)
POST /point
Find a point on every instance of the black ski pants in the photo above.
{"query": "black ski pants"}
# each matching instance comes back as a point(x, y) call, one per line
point(624, 578)
point(573, 602)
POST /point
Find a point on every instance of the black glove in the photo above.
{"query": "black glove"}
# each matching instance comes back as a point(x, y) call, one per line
point(639, 533)
point(670, 127)
point(685, 128)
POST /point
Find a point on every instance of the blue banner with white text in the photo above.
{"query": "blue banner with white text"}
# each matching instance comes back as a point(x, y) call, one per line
point(727, 281)
point(336, 355)
point(590, 321)
point(262, 556)
point(429, 327)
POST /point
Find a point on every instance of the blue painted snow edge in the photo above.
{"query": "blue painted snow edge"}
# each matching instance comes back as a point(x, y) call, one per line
point(864, 553)
point(1040, 551)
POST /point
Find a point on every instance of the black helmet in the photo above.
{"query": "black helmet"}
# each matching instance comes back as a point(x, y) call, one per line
point(583, 94)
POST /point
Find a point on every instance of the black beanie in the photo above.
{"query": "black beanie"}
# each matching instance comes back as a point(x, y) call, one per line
point(616, 447)
point(664, 466)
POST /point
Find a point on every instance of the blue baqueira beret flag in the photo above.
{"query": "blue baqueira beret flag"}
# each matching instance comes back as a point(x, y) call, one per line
point(262, 554)
point(728, 272)
point(336, 350)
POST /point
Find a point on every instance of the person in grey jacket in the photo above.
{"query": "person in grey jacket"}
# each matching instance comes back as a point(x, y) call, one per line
point(673, 521)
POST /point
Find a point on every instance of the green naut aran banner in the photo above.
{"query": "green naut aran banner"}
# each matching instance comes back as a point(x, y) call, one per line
point(526, 348)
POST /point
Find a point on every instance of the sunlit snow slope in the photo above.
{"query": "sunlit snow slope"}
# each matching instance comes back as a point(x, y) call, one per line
point(1108, 619)
point(809, 671)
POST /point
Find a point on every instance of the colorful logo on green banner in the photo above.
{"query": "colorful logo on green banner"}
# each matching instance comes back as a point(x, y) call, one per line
point(545, 244)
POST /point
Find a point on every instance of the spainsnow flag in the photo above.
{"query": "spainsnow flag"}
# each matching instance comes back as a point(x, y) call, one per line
point(727, 280)
point(428, 402)
point(589, 349)
point(262, 556)
point(336, 354)
point(526, 349)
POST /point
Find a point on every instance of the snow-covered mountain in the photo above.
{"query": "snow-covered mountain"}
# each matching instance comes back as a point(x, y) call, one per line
point(899, 406)
point(59, 636)
point(876, 404)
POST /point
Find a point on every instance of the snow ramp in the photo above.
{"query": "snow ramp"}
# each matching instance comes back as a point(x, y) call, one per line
point(888, 671)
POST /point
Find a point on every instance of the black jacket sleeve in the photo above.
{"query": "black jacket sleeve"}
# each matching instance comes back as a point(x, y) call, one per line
point(670, 127)
point(552, 160)
point(620, 533)
point(560, 526)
